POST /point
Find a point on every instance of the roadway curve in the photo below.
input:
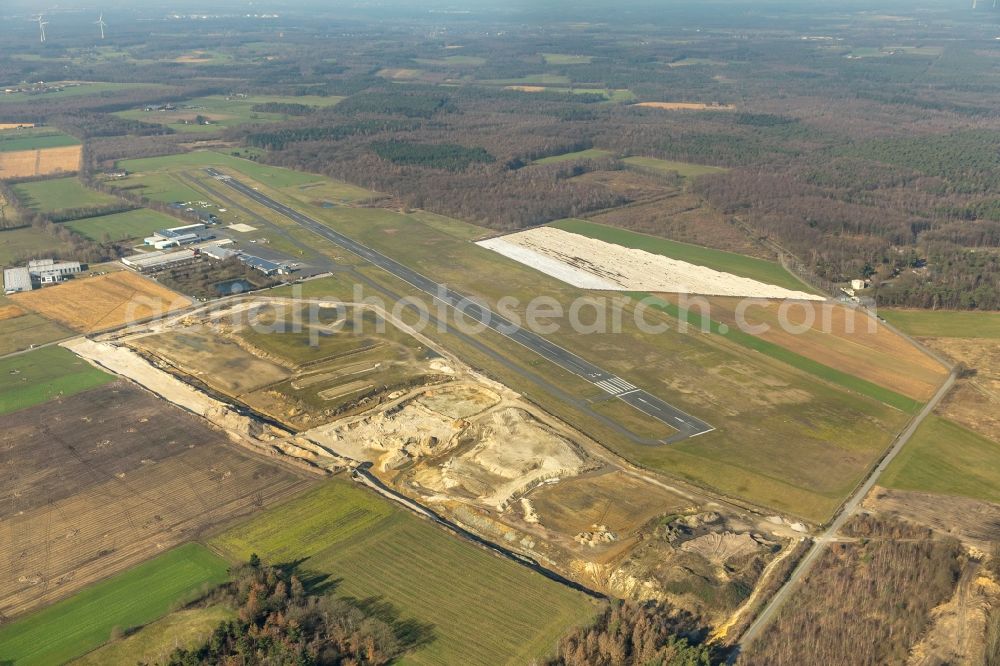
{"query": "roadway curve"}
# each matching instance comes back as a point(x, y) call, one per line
point(616, 387)
point(848, 509)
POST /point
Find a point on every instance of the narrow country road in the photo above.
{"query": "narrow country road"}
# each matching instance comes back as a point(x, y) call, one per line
point(772, 607)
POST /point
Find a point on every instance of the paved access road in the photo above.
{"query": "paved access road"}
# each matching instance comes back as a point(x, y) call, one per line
point(685, 424)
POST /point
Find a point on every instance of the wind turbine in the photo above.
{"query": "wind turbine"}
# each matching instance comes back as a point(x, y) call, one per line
point(41, 27)
point(101, 23)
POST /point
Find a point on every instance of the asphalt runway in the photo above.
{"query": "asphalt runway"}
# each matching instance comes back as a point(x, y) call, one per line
point(685, 424)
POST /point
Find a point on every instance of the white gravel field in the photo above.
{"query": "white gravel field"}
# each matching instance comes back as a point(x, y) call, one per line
point(589, 263)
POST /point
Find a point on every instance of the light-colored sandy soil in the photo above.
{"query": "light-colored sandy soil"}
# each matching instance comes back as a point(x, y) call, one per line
point(594, 264)
point(102, 302)
point(975, 400)
point(42, 162)
point(973, 522)
point(959, 625)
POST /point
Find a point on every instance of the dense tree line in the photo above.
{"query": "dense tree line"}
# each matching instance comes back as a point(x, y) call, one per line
point(287, 108)
point(410, 105)
point(631, 633)
point(279, 139)
point(884, 586)
point(86, 125)
point(279, 622)
point(450, 156)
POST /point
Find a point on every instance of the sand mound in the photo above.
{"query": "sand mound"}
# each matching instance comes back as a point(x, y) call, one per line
point(593, 264)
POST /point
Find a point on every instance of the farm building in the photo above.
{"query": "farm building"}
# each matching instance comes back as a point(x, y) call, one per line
point(38, 273)
point(177, 236)
point(150, 262)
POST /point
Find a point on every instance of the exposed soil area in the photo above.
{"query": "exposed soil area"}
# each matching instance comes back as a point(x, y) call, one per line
point(98, 482)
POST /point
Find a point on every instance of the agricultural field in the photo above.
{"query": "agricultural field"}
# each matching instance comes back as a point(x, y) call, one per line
point(944, 323)
point(589, 154)
point(749, 267)
point(694, 315)
point(131, 224)
point(105, 301)
point(133, 598)
point(683, 169)
point(947, 459)
point(50, 196)
point(117, 475)
point(45, 374)
point(223, 112)
point(836, 335)
point(38, 138)
point(19, 245)
point(464, 605)
point(37, 151)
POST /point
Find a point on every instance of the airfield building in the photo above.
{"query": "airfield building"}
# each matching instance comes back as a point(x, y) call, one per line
point(16, 280)
point(263, 265)
point(150, 262)
point(177, 236)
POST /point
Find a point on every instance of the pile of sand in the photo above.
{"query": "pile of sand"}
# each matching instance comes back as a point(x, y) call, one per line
point(593, 264)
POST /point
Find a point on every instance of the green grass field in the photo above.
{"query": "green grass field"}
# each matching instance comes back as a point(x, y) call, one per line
point(28, 243)
point(566, 59)
point(268, 175)
point(49, 196)
point(19, 333)
point(33, 139)
point(163, 186)
point(153, 643)
point(477, 608)
point(685, 169)
point(589, 154)
point(758, 269)
point(40, 375)
point(943, 457)
point(121, 226)
point(945, 323)
point(73, 627)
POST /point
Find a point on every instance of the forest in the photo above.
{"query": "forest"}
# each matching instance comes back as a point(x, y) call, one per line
point(851, 158)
